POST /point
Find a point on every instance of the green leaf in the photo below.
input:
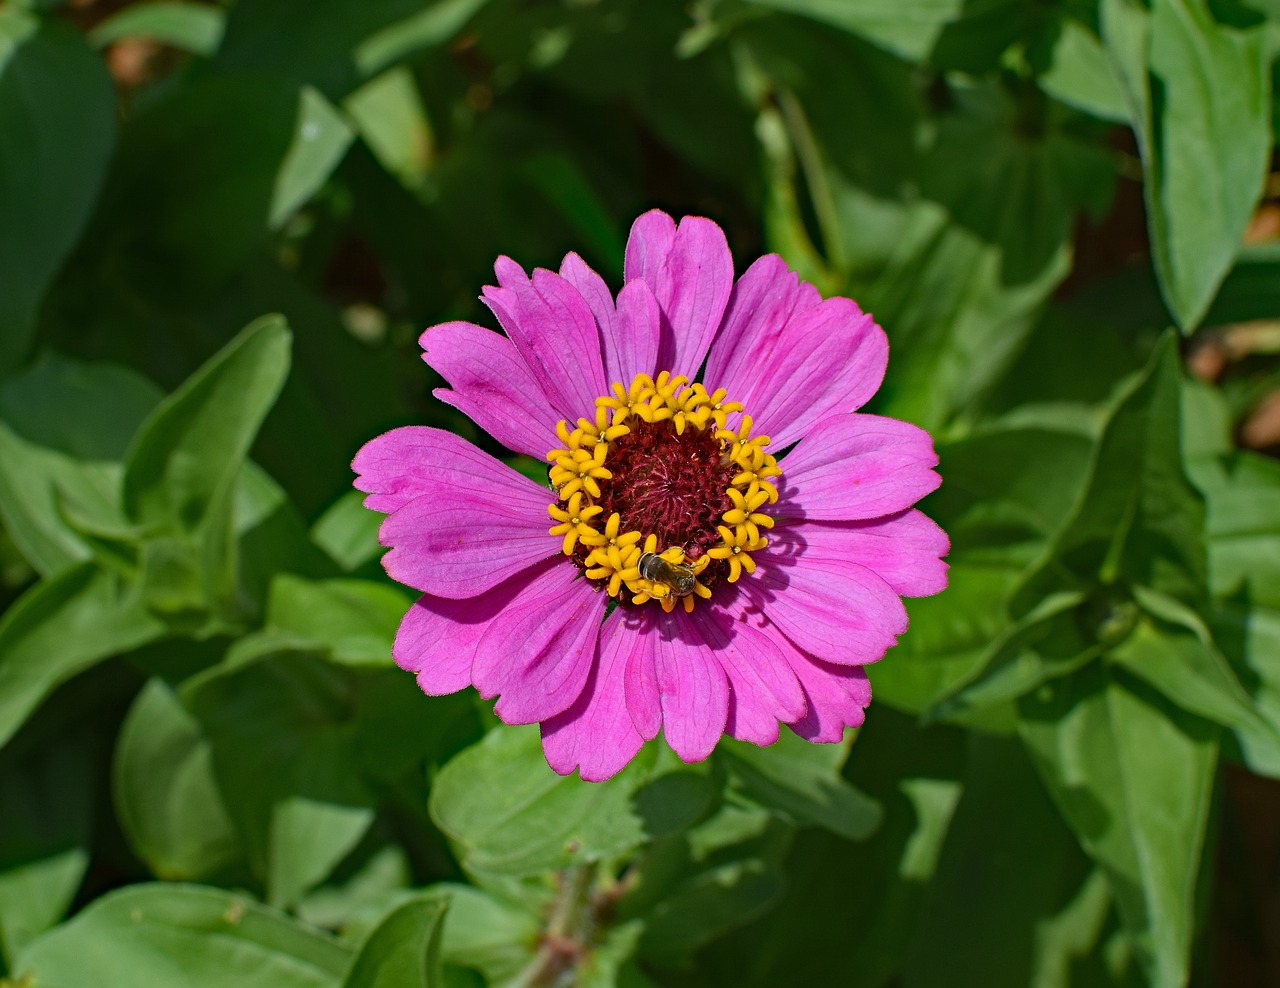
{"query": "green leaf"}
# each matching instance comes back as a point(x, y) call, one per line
point(158, 936)
point(282, 731)
point(348, 532)
point(165, 794)
point(1078, 72)
point(914, 773)
point(1134, 778)
point(1006, 835)
point(485, 933)
point(182, 467)
point(429, 27)
point(914, 29)
point(1139, 520)
point(355, 620)
point(44, 837)
point(391, 119)
point(1199, 101)
point(64, 429)
point(403, 951)
point(57, 131)
point(1172, 649)
point(192, 27)
point(61, 627)
point(321, 138)
point(802, 783)
point(509, 813)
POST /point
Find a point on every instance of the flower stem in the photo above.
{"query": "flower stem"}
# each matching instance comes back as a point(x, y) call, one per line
point(569, 932)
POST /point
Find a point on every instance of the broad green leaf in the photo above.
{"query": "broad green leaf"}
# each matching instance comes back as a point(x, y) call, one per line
point(182, 467)
point(165, 794)
point(707, 902)
point(321, 138)
point(64, 429)
point(192, 27)
point(914, 773)
point(1138, 521)
point(308, 837)
point(508, 812)
point(1006, 492)
point(802, 783)
point(1008, 848)
point(159, 936)
point(403, 951)
point(59, 628)
point(57, 131)
point(348, 532)
point(282, 731)
point(1172, 649)
point(1042, 645)
point(44, 837)
point(1244, 530)
point(355, 620)
point(1078, 73)
point(486, 934)
point(914, 29)
point(955, 323)
point(390, 118)
point(428, 27)
point(1243, 498)
point(1199, 98)
point(1134, 778)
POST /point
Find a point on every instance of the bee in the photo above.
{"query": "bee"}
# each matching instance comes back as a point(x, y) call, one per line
point(678, 577)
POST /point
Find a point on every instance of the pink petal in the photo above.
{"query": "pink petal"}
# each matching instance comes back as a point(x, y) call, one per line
point(835, 695)
point(763, 688)
point(639, 329)
point(690, 270)
point(437, 638)
point(838, 697)
point(904, 550)
point(693, 689)
point(492, 386)
point(854, 467)
point(554, 331)
point(539, 655)
point(629, 334)
point(461, 522)
point(596, 733)
point(640, 677)
point(791, 366)
point(824, 602)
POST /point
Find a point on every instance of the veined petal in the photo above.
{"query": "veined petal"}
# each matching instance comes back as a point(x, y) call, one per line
point(823, 602)
point(690, 271)
point(905, 550)
point(793, 369)
point(835, 695)
point(539, 655)
point(461, 521)
point(693, 690)
point(855, 467)
point(595, 734)
point(555, 333)
point(437, 638)
point(838, 697)
point(492, 385)
point(640, 676)
point(763, 688)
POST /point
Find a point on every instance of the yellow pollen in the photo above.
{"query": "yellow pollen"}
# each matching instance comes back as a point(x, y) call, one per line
point(609, 550)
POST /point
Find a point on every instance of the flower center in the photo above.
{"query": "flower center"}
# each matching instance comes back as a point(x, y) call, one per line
point(657, 497)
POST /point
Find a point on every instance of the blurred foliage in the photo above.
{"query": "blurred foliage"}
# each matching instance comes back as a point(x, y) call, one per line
point(210, 771)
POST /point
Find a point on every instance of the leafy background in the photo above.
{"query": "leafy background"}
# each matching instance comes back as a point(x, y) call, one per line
point(222, 226)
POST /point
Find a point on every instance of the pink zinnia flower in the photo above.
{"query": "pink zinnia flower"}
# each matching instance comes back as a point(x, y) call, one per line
point(675, 576)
